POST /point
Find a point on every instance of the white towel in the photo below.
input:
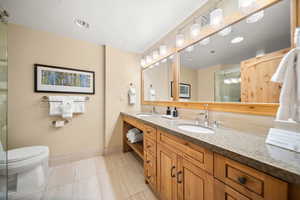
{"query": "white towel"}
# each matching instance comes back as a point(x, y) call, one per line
point(67, 108)
point(79, 103)
point(132, 95)
point(55, 105)
point(288, 73)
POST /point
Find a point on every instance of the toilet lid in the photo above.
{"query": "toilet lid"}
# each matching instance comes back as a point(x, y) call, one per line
point(24, 153)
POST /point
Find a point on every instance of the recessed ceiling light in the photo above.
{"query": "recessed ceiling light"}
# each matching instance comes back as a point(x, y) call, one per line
point(255, 17)
point(237, 40)
point(81, 23)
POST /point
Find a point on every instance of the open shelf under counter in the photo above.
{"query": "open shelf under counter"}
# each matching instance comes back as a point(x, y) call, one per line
point(137, 148)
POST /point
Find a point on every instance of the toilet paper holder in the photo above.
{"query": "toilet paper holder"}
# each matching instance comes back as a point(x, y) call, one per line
point(54, 122)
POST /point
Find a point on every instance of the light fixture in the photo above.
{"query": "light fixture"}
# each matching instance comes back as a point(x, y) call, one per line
point(179, 40)
point(81, 23)
point(155, 54)
point(227, 81)
point(205, 41)
point(247, 5)
point(195, 30)
point(216, 17)
point(234, 80)
point(255, 17)
point(237, 40)
point(190, 48)
point(225, 31)
point(156, 64)
point(143, 62)
point(163, 50)
point(148, 59)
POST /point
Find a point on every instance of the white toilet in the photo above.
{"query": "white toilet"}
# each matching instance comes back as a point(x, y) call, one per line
point(27, 171)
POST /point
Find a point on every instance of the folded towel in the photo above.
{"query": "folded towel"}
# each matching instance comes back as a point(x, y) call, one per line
point(288, 73)
point(55, 105)
point(67, 108)
point(79, 104)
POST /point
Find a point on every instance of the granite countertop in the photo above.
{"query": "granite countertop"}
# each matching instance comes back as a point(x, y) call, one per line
point(249, 149)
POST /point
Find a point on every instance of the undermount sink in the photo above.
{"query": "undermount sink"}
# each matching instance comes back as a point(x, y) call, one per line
point(194, 128)
point(144, 114)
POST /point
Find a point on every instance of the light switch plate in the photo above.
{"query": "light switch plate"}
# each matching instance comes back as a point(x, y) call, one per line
point(284, 139)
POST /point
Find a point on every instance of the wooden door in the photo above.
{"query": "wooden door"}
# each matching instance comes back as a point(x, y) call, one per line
point(166, 173)
point(224, 192)
point(193, 182)
point(256, 74)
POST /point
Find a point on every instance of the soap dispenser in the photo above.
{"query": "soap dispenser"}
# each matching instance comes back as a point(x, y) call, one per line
point(175, 112)
point(168, 112)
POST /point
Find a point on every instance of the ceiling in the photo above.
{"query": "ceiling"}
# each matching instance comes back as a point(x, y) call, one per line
point(271, 33)
point(132, 25)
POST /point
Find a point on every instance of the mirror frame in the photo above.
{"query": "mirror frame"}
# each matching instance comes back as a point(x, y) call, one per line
point(266, 109)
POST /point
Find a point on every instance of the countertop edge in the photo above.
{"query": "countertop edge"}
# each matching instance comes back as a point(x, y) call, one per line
point(271, 170)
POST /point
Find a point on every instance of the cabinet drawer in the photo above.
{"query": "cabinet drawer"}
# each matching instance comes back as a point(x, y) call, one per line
point(150, 132)
point(133, 122)
point(248, 181)
point(224, 192)
point(150, 169)
point(150, 146)
point(198, 156)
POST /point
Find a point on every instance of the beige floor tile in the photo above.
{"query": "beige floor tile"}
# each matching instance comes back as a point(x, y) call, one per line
point(88, 189)
point(60, 193)
point(85, 169)
point(61, 175)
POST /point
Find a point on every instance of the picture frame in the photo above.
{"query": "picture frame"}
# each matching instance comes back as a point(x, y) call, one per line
point(184, 90)
point(54, 79)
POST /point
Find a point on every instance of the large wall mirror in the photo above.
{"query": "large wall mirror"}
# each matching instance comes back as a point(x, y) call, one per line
point(158, 80)
point(229, 66)
point(237, 63)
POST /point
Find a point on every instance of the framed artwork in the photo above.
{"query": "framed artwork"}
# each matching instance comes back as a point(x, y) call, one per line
point(63, 80)
point(184, 90)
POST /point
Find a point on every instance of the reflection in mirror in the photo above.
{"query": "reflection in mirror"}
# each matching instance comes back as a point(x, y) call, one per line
point(236, 64)
point(158, 80)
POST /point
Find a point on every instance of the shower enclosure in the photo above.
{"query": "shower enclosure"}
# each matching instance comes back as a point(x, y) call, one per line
point(3, 105)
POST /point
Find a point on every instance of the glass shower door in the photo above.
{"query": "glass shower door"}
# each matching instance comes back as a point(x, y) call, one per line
point(3, 108)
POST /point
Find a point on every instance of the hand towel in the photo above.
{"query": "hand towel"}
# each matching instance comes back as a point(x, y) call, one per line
point(79, 104)
point(288, 73)
point(67, 108)
point(55, 105)
point(132, 95)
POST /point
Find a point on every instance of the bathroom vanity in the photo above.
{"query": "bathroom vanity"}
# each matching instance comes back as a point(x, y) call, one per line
point(223, 165)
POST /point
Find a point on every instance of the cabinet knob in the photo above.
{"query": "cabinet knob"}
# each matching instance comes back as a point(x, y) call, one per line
point(148, 146)
point(242, 180)
point(148, 161)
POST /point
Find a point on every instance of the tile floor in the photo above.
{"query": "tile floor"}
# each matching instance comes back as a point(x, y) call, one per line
point(114, 177)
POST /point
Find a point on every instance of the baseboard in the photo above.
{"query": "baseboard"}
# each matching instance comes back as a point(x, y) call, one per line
point(65, 159)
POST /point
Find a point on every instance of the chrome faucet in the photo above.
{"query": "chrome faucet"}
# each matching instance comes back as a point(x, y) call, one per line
point(206, 118)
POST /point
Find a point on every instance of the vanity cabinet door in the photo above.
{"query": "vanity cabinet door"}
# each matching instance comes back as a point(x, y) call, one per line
point(224, 192)
point(166, 173)
point(193, 182)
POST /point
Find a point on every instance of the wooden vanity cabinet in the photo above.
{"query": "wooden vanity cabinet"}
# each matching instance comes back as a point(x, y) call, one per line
point(182, 175)
point(176, 169)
